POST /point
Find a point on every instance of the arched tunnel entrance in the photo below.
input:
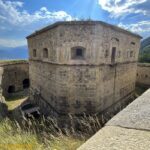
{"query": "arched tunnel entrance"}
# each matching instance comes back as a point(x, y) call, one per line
point(26, 83)
point(11, 89)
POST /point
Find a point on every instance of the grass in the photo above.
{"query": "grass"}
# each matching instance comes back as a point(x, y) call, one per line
point(14, 137)
point(12, 61)
point(32, 134)
point(12, 103)
point(15, 101)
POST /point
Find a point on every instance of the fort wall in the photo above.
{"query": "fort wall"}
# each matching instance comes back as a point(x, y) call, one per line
point(143, 74)
point(14, 77)
point(78, 67)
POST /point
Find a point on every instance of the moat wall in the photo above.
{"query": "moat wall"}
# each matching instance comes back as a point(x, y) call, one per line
point(13, 77)
point(143, 75)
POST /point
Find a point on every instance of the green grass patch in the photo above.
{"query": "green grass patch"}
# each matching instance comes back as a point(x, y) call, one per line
point(14, 137)
point(13, 61)
point(33, 134)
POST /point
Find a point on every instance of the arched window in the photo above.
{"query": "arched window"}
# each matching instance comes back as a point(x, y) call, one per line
point(132, 43)
point(78, 53)
point(114, 38)
point(34, 52)
point(11, 89)
point(45, 53)
point(26, 83)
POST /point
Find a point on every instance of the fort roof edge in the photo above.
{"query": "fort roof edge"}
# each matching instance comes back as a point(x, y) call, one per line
point(80, 23)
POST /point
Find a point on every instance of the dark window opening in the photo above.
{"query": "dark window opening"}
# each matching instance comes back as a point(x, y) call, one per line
point(78, 53)
point(26, 83)
point(45, 53)
point(146, 76)
point(34, 53)
point(113, 55)
point(115, 39)
point(133, 43)
point(137, 74)
point(11, 89)
point(106, 53)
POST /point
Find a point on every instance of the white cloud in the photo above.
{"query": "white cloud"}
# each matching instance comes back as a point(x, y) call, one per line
point(10, 12)
point(118, 8)
point(12, 43)
point(140, 27)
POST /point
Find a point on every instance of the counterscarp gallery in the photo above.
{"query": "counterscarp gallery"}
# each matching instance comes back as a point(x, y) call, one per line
point(82, 66)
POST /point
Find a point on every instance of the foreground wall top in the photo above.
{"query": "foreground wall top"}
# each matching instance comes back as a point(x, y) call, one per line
point(129, 129)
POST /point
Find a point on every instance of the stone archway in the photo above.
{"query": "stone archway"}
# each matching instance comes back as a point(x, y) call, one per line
point(26, 83)
point(11, 89)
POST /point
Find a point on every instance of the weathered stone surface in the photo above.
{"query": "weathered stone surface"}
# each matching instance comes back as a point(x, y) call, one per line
point(117, 138)
point(128, 130)
point(143, 74)
point(13, 76)
point(88, 85)
point(136, 115)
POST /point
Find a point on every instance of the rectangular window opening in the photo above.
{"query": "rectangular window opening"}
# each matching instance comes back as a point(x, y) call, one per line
point(113, 55)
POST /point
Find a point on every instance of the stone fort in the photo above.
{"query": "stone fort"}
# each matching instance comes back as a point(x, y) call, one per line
point(82, 66)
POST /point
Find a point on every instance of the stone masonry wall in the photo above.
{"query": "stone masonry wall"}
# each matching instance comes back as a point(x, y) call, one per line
point(12, 77)
point(86, 85)
point(79, 89)
point(143, 74)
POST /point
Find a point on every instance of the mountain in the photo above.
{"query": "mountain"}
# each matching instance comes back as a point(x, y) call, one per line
point(144, 55)
point(14, 53)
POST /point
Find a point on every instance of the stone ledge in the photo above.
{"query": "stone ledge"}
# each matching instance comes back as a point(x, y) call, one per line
point(117, 138)
point(136, 115)
point(129, 129)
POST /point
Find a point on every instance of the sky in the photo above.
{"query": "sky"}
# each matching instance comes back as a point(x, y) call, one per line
point(20, 18)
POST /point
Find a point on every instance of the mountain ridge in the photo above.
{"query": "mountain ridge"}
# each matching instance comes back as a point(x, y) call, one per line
point(20, 52)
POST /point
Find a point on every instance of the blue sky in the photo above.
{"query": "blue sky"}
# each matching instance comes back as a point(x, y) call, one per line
point(19, 18)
